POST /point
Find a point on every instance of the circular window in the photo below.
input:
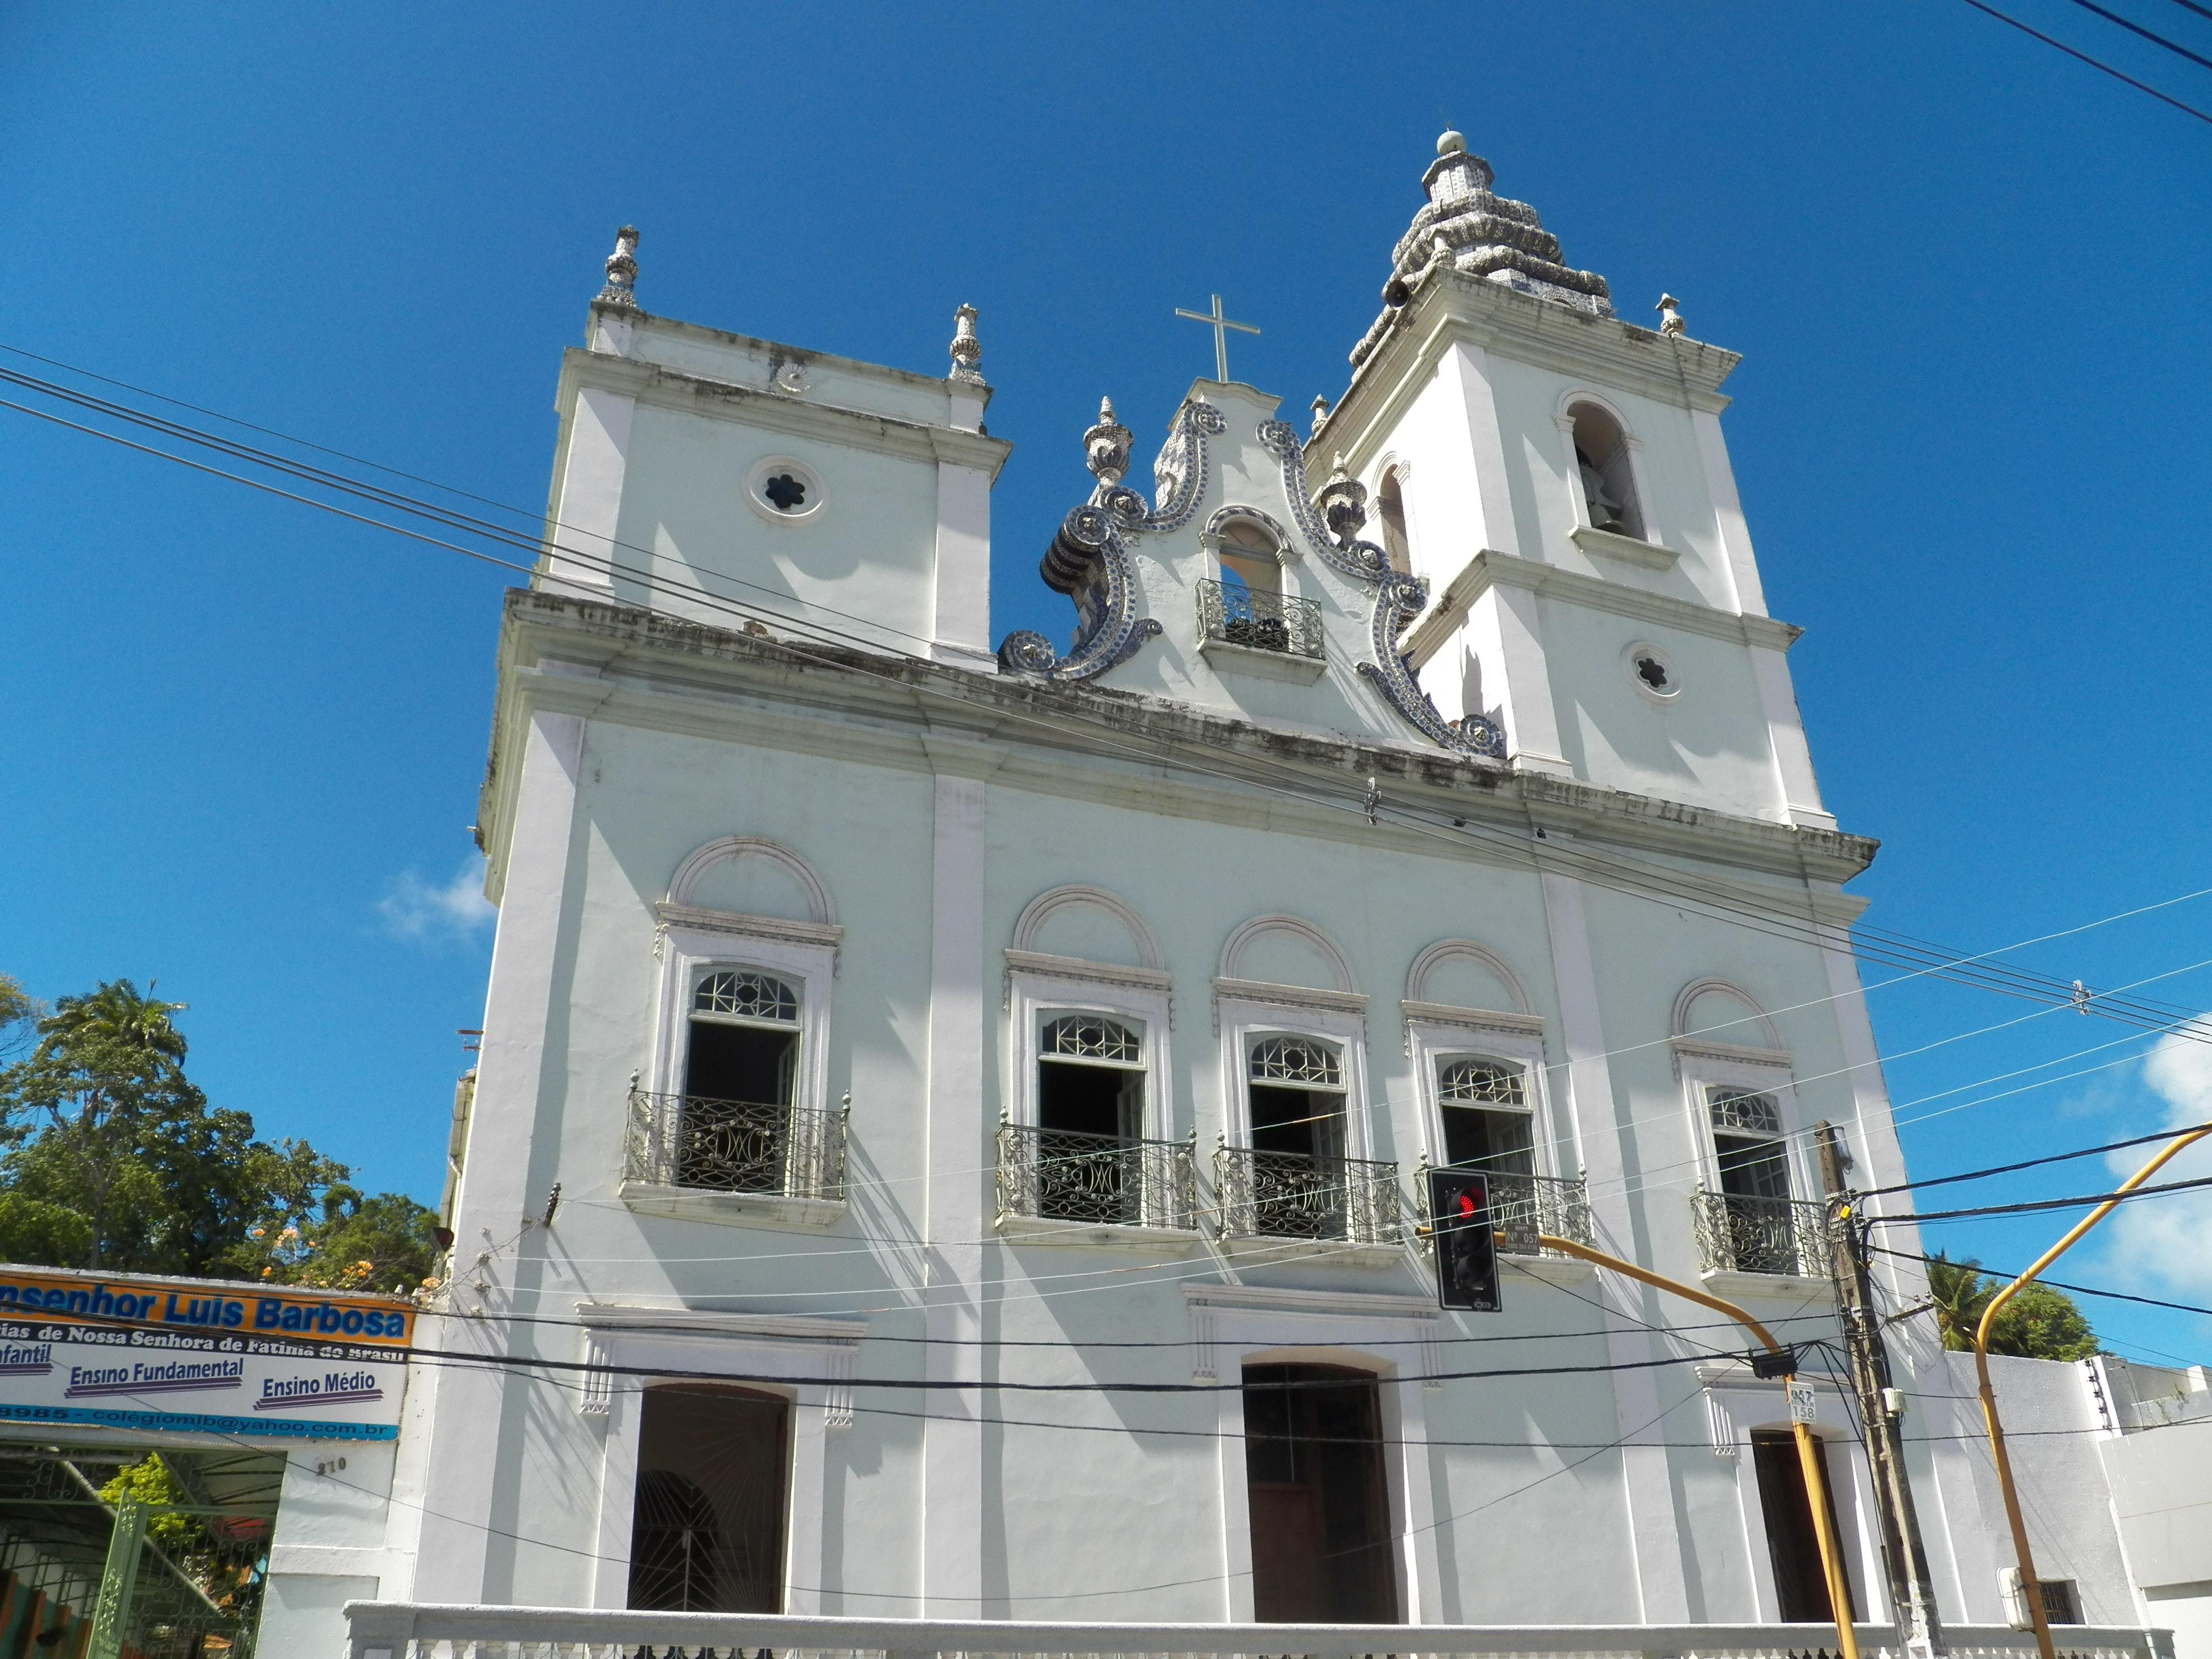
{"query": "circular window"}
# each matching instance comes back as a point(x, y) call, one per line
point(784, 490)
point(1652, 672)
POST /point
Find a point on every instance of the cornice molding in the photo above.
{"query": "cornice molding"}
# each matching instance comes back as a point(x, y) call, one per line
point(629, 1317)
point(649, 324)
point(1096, 973)
point(1289, 996)
point(1691, 1047)
point(730, 921)
point(1434, 628)
point(1206, 1305)
point(778, 411)
point(1497, 569)
point(1454, 307)
point(662, 674)
point(1359, 1304)
point(1472, 1020)
point(833, 1345)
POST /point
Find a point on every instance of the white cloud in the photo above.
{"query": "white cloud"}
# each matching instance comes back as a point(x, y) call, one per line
point(2165, 1244)
point(414, 908)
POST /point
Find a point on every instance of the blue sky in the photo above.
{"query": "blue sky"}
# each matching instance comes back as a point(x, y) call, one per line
point(1970, 277)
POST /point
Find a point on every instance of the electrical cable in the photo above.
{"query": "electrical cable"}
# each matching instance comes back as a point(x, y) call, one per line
point(2137, 28)
point(1924, 965)
point(1164, 1432)
point(630, 1326)
point(2032, 1162)
point(1678, 896)
point(2030, 1207)
point(2053, 1284)
point(472, 1524)
point(2140, 86)
point(531, 545)
point(392, 498)
point(1641, 1184)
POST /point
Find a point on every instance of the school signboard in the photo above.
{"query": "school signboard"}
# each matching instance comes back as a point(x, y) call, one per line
point(205, 1355)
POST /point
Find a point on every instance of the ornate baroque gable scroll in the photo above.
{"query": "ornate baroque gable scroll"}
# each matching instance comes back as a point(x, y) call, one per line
point(1398, 597)
point(1089, 561)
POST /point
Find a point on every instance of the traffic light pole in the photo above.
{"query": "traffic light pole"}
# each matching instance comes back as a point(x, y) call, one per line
point(1809, 1453)
point(1912, 1588)
point(2030, 1589)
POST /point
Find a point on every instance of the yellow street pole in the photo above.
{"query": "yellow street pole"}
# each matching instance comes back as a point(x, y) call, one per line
point(2029, 1588)
point(1809, 1456)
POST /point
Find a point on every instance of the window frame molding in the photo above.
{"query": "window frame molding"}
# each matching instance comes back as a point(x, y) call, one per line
point(1041, 987)
point(1244, 1020)
point(1701, 1066)
point(691, 943)
point(1437, 1034)
point(745, 1347)
point(690, 952)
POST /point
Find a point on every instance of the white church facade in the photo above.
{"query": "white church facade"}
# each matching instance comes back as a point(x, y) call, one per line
point(948, 1133)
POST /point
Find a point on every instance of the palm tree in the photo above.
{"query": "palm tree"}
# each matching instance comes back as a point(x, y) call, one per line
point(114, 1013)
point(1959, 1293)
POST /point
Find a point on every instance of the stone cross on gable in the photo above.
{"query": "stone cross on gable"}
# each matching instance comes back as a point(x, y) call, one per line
point(1221, 325)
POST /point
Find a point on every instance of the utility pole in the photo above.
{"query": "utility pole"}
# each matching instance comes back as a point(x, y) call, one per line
point(1911, 1591)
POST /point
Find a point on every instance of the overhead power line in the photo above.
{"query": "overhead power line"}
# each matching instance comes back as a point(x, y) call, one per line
point(2032, 1162)
point(1646, 881)
point(2057, 1284)
point(2156, 38)
point(2095, 64)
point(2030, 1207)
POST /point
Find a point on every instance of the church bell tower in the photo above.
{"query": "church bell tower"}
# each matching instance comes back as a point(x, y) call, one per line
point(1559, 478)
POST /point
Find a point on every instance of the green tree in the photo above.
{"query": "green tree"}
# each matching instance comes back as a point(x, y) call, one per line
point(114, 1159)
point(348, 1242)
point(2038, 1323)
point(19, 1016)
point(105, 1078)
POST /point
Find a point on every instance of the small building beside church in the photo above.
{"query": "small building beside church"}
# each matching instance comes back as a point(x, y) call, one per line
point(949, 1132)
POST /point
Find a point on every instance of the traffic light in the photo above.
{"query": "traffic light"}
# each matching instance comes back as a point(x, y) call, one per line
point(1467, 1251)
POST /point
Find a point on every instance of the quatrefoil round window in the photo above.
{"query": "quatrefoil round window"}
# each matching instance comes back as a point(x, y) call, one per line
point(1652, 671)
point(784, 490)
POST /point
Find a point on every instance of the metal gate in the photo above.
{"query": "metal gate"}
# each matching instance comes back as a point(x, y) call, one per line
point(114, 1553)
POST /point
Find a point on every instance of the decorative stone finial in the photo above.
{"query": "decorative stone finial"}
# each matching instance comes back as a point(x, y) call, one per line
point(1670, 320)
point(1320, 415)
point(967, 350)
point(622, 270)
point(1343, 504)
point(1106, 445)
point(1465, 227)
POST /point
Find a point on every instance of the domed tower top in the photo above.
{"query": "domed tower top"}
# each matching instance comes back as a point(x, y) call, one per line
point(1465, 226)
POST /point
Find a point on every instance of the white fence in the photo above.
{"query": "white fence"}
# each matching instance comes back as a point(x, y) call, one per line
point(400, 1630)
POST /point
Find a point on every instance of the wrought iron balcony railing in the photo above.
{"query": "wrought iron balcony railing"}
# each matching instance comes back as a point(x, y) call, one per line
point(1059, 1174)
point(1522, 1206)
point(1741, 1235)
point(735, 1146)
point(1299, 1195)
point(1266, 622)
